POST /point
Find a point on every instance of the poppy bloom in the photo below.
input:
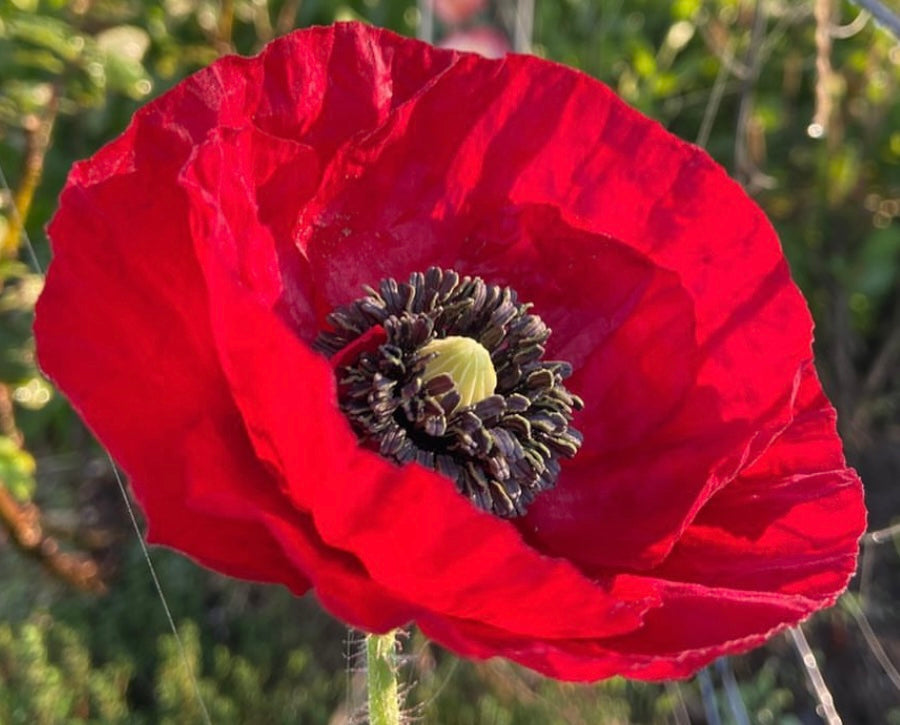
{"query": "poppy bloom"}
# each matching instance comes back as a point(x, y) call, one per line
point(456, 341)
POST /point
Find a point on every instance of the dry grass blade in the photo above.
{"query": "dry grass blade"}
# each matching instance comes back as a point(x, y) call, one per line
point(882, 14)
point(825, 709)
point(872, 641)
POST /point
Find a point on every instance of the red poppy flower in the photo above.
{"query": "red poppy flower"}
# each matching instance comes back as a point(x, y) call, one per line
point(200, 257)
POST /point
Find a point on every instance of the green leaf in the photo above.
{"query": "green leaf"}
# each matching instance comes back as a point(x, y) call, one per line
point(49, 33)
point(123, 49)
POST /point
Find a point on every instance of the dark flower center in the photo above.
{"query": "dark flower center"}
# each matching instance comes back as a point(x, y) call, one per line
point(448, 371)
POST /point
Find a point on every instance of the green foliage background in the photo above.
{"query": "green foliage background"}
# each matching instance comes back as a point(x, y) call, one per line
point(821, 153)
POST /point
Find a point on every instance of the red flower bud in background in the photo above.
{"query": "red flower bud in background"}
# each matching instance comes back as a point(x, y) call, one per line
point(454, 12)
point(672, 490)
point(484, 40)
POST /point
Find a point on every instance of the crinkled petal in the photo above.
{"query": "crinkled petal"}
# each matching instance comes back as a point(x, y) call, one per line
point(694, 626)
point(790, 523)
point(168, 374)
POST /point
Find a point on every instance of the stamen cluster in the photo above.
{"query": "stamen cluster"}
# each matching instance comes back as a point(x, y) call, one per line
point(502, 450)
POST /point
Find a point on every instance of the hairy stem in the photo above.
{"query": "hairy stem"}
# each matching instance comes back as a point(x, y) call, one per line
point(384, 701)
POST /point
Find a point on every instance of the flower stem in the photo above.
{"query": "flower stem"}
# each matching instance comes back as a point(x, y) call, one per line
point(384, 701)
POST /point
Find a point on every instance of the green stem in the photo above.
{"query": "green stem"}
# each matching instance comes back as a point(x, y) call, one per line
point(384, 701)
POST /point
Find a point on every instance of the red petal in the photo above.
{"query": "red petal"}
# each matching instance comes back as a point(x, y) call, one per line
point(631, 179)
point(790, 523)
point(168, 374)
point(693, 627)
point(320, 87)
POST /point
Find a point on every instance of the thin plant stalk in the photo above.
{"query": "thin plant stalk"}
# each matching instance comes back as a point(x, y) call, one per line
point(381, 679)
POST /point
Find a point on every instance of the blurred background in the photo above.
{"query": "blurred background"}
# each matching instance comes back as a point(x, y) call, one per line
point(798, 99)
